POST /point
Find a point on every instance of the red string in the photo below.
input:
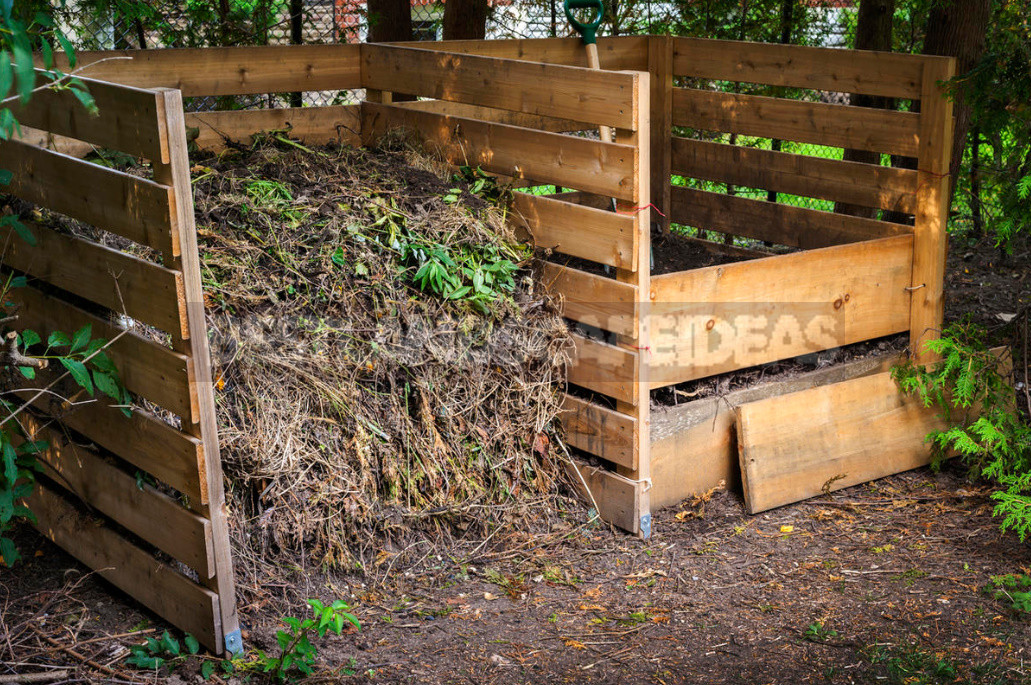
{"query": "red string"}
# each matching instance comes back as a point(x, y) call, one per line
point(639, 209)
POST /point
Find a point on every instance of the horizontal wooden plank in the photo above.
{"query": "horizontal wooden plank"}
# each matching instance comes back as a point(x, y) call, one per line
point(125, 284)
point(594, 300)
point(50, 141)
point(604, 368)
point(799, 445)
point(141, 509)
point(147, 368)
point(694, 445)
point(614, 52)
point(141, 439)
point(778, 223)
point(599, 235)
point(174, 597)
point(600, 431)
point(841, 71)
point(618, 499)
point(312, 125)
point(869, 185)
point(569, 161)
point(722, 318)
point(497, 116)
point(587, 95)
point(230, 71)
point(128, 118)
point(132, 207)
point(862, 128)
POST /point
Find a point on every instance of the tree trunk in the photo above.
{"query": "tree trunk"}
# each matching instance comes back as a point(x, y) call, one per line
point(873, 32)
point(976, 213)
point(465, 19)
point(958, 28)
point(955, 28)
point(296, 38)
point(390, 20)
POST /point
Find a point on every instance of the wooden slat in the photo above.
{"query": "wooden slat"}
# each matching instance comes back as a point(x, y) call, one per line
point(694, 444)
point(842, 71)
point(141, 439)
point(177, 174)
point(601, 168)
point(660, 69)
point(796, 446)
point(618, 498)
point(180, 601)
point(599, 431)
point(141, 509)
point(594, 300)
point(722, 318)
point(125, 284)
point(50, 141)
point(862, 128)
point(128, 119)
point(604, 368)
point(856, 183)
point(778, 223)
point(312, 125)
point(579, 231)
point(132, 207)
point(229, 71)
point(497, 116)
point(595, 97)
point(930, 224)
point(147, 369)
point(614, 52)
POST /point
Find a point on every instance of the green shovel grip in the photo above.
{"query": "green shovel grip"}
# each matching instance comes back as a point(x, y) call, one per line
point(589, 31)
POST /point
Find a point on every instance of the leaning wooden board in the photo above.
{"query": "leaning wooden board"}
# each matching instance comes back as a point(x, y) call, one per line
point(830, 437)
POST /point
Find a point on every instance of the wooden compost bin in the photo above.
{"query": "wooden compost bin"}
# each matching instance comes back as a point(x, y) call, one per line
point(508, 107)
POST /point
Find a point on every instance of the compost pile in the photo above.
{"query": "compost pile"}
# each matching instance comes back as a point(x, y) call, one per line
point(386, 360)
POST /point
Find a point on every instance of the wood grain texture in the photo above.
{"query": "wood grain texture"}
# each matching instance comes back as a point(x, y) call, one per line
point(129, 118)
point(694, 445)
point(311, 125)
point(125, 284)
point(868, 185)
point(600, 431)
point(614, 52)
point(497, 116)
point(660, 70)
point(229, 71)
point(798, 445)
point(174, 597)
point(602, 168)
point(841, 71)
point(127, 205)
point(585, 95)
point(618, 498)
point(932, 209)
point(599, 235)
point(146, 368)
point(141, 509)
point(774, 222)
point(717, 319)
point(841, 126)
point(594, 300)
point(604, 368)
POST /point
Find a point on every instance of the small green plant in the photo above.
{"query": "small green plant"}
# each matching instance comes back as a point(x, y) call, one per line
point(818, 632)
point(297, 654)
point(1015, 589)
point(158, 652)
point(971, 386)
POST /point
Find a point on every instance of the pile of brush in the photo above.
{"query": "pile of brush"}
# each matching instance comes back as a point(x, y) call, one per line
point(387, 362)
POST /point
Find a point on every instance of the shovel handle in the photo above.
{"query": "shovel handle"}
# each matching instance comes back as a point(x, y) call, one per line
point(588, 31)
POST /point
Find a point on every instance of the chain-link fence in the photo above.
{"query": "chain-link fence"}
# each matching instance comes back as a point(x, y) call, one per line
point(120, 24)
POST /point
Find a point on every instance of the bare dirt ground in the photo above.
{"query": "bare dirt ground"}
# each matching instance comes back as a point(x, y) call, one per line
point(880, 583)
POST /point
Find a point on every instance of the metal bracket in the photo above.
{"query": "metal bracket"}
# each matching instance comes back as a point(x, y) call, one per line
point(234, 643)
point(646, 526)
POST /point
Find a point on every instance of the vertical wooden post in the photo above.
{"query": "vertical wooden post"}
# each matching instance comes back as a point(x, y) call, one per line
point(932, 207)
point(177, 175)
point(641, 277)
point(660, 67)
